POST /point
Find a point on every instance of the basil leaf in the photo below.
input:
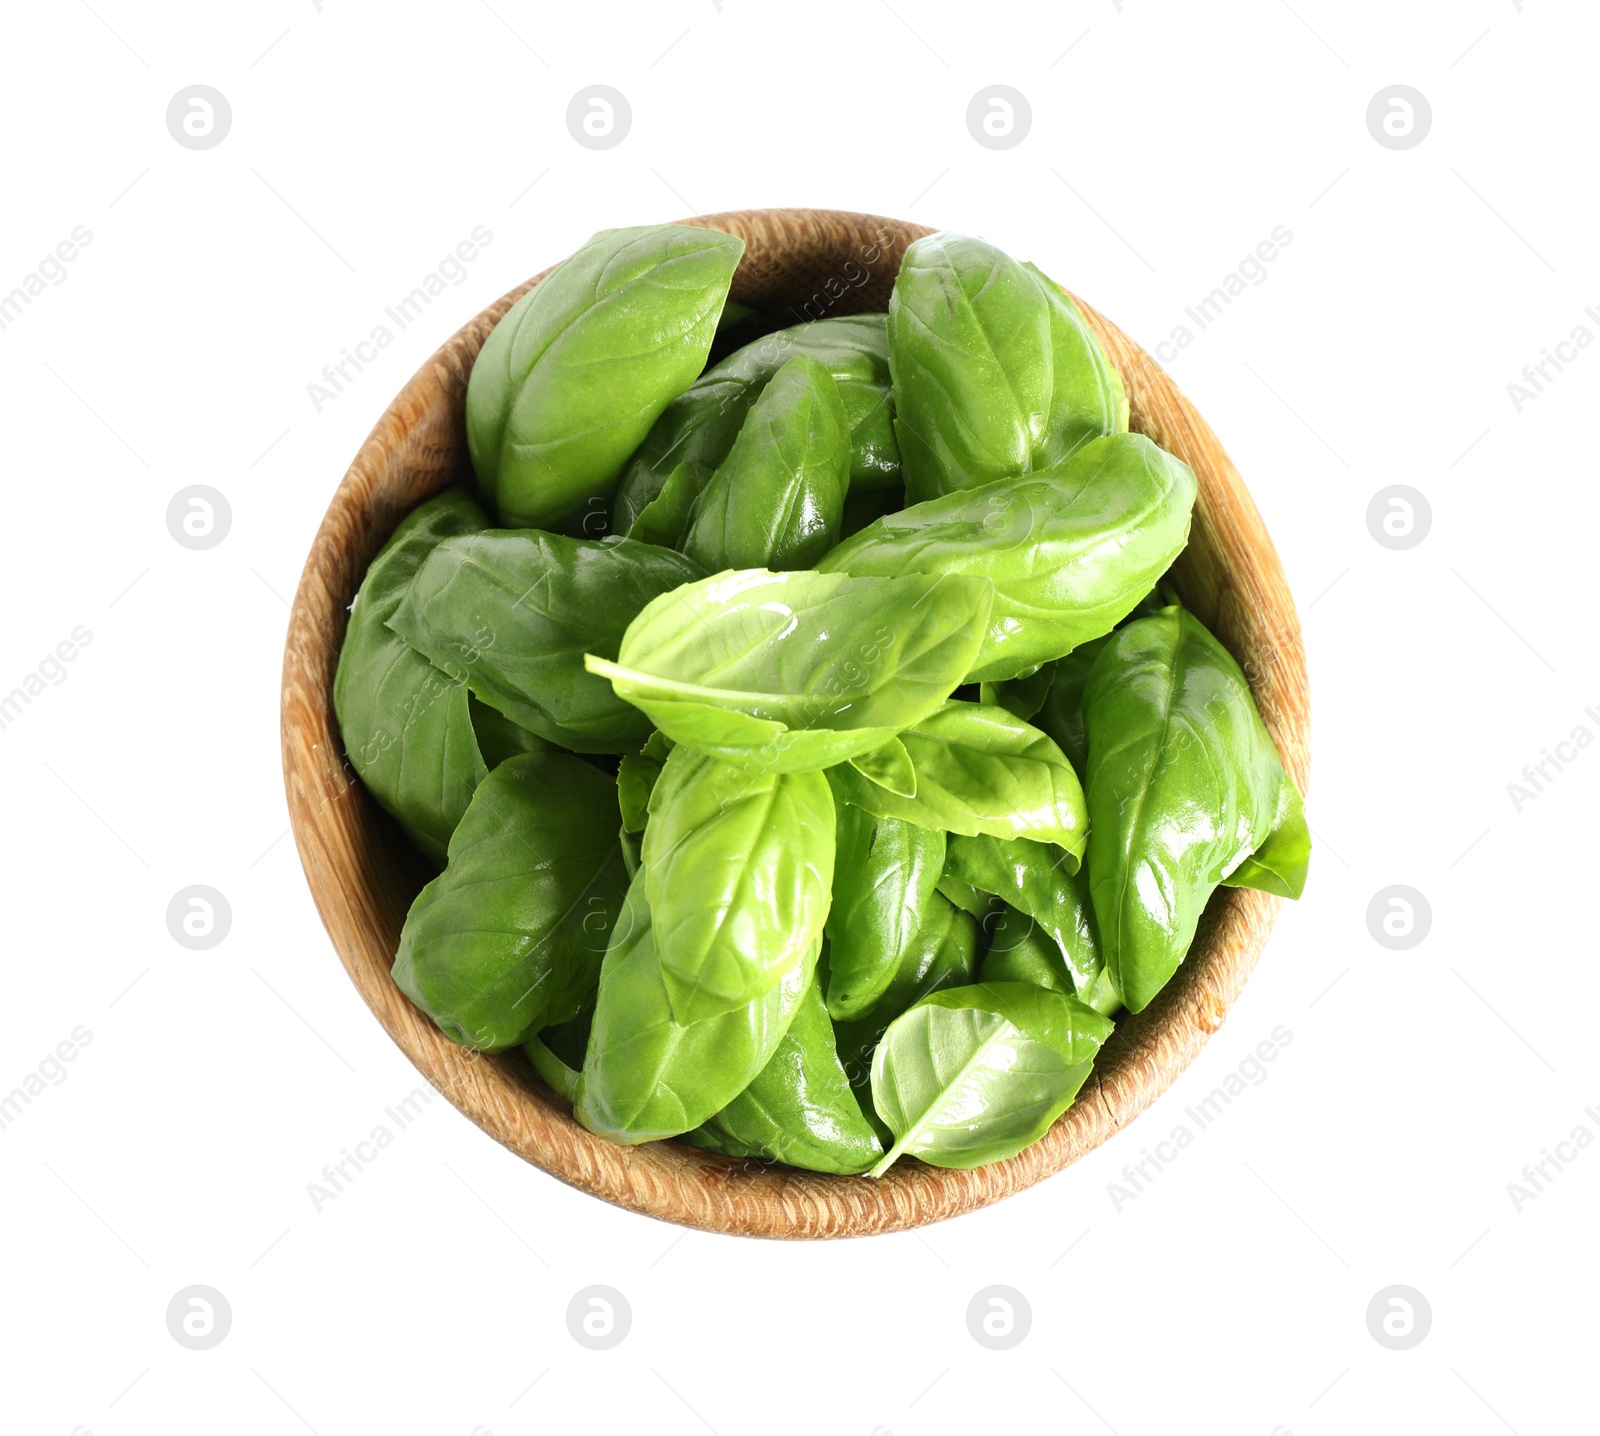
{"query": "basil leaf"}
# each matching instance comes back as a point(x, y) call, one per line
point(498, 737)
point(1022, 949)
point(1184, 784)
point(637, 776)
point(975, 1074)
point(799, 1108)
point(512, 613)
point(798, 670)
point(548, 440)
point(1040, 881)
point(883, 883)
point(507, 940)
point(994, 371)
point(942, 953)
point(1071, 549)
point(700, 425)
point(1279, 865)
point(407, 727)
point(665, 519)
point(776, 500)
point(738, 868)
point(1061, 713)
point(980, 770)
point(646, 1075)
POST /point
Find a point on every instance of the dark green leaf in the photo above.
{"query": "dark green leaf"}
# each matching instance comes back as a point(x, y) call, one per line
point(883, 884)
point(799, 1108)
point(776, 500)
point(507, 940)
point(406, 726)
point(512, 612)
point(1184, 784)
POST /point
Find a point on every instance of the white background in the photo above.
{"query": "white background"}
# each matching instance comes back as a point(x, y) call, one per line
point(1168, 138)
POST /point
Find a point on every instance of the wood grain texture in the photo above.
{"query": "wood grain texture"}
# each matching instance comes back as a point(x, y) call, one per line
point(798, 264)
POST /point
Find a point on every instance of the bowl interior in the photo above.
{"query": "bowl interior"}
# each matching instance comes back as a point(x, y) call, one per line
point(798, 265)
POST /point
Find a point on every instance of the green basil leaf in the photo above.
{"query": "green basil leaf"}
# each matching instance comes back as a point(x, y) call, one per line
point(700, 425)
point(1071, 549)
point(1184, 784)
point(776, 500)
point(799, 670)
point(665, 519)
point(980, 770)
point(1041, 882)
point(548, 439)
point(1023, 696)
point(1087, 398)
point(498, 737)
point(994, 371)
point(942, 953)
point(512, 613)
point(1061, 713)
point(407, 727)
point(975, 1074)
point(883, 883)
point(799, 1108)
point(647, 1076)
point(507, 940)
point(1279, 865)
point(561, 1079)
point(637, 775)
point(738, 870)
point(889, 767)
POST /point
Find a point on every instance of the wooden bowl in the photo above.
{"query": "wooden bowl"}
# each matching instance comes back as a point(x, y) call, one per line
point(800, 264)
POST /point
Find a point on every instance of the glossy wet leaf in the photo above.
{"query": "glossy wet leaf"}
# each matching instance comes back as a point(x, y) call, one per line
point(700, 425)
point(798, 670)
point(1184, 784)
point(800, 1108)
point(775, 502)
point(647, 1076)
point(994, 371)
point(665, 519)
point(943, 952)
point(979, 769)
point(883, 883)
point(975, 1074)
point(1070, 548)
point(1033, 878)
point(407, 727)
point(571, 380)
point(513, 612)
point(739, 867)
point(508, 939)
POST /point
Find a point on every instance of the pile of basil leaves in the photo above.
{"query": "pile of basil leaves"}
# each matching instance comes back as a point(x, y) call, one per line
point(817, 761)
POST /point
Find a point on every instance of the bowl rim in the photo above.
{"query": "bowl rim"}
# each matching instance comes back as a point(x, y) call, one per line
point(358, 870)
